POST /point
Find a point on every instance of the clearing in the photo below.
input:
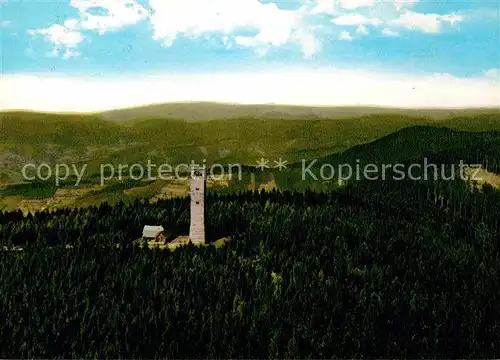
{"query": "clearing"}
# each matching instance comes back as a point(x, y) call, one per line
point(482, 176)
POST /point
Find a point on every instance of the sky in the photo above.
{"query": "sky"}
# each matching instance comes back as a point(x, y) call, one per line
point(93, 55)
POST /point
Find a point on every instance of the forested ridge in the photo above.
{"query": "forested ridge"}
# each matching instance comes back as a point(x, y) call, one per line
point(376, 269)
point(78, 139)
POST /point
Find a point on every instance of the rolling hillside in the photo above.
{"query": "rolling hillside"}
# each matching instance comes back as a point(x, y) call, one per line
point(440, 145)
point(78, 139)
point(197, 111)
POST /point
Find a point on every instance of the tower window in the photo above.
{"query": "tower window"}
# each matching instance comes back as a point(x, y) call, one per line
point(197, 189)
point(197, 203)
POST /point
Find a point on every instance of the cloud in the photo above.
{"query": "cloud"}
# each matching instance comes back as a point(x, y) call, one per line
point(248, 23)
point(324, 7)
point(401, 4)
point(389, 32)
point(309, 43)
point(362, 30)
point(429, 23)
point(227, 42)
point(68, 54)
point(72, 24)
point(355, 19)
point(345, 35)
point(116, 14)
point(347, 87)
point(393, 14)
point(64, 53)
point(253, 24)
point(273, 26)
point(480, 14)
point(64, 38)
point(493, 74)
point(355, 4)
point(4, 23)
point(335, 7)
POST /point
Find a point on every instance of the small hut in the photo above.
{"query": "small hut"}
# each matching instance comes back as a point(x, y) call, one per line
point(152, 232)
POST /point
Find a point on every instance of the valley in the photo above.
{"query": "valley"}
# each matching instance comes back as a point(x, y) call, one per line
point(373, 139)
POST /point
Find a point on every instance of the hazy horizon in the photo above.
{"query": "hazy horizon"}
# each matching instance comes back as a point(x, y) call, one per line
point(260, 105)
point(319, 88)
point(88, 56)
point(367, 107)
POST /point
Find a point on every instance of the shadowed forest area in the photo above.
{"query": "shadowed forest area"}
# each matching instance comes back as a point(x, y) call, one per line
point(376, 269)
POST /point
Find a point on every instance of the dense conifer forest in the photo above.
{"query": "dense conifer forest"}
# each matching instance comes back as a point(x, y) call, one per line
point(375, 269)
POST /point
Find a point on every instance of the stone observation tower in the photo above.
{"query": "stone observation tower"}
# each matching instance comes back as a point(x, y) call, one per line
point(197, 195)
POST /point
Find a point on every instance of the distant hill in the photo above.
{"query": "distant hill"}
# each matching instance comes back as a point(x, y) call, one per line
point(27, 137)
point(197, 111)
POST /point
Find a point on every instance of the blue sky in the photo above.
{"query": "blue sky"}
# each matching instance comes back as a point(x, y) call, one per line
point(93, 40)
